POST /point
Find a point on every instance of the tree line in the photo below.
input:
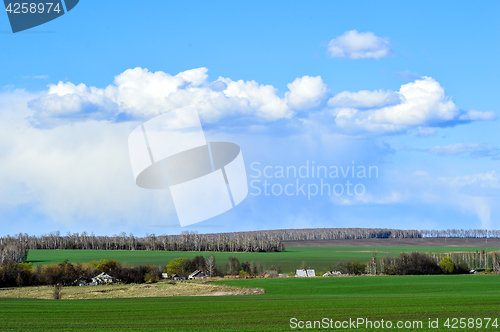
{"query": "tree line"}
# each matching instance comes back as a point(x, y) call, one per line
point(461, 233)
point(416, 263)
point(14, 248)
point(184, 266)
point(13, 274)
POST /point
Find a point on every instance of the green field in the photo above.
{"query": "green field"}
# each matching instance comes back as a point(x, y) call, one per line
point(392, 298)
point(317, 257)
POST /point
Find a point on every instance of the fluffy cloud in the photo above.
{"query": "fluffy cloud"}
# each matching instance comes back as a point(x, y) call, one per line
point(423, 103)
point(359, 45)
point(138, 94)
point(306, 93)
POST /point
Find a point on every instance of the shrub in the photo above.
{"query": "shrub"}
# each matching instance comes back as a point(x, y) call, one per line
point(416, 264)
point(462, 268)
point(348, 267)
point(447, 266)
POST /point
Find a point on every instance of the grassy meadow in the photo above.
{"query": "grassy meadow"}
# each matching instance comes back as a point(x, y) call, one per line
point(392, 298)
point(289, 260)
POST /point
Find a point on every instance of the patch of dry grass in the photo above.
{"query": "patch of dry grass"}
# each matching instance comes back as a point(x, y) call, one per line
point(160, 289)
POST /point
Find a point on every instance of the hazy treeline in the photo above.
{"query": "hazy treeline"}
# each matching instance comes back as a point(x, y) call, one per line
point(461, 233)
point(15, 248)
point(335, 233)
point(371, 233)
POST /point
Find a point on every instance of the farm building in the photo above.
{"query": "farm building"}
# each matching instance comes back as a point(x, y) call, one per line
point(82, 282)
point(305, 273)
point(197, 275)
point(164, 275)
point(332, 274)
point(269, 274)
point(102, 278)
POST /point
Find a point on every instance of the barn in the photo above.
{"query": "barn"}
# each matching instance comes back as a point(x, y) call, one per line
point(102, 278)
point(197, 275)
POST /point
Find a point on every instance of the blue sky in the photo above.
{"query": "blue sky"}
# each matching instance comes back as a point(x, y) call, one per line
point(407, 87)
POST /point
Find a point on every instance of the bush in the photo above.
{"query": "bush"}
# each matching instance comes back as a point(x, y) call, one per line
point(462, 268)
point(447, 266)
point(390, 270)
point(416, 264)
point(348, 267)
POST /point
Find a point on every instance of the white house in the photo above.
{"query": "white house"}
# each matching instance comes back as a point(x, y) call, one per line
point(305, 273)
point(197, 275)
point(102, 278)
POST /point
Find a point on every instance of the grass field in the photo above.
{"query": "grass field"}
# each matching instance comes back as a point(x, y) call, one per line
point(392, 298)
point(317, 257)
point(115, 291)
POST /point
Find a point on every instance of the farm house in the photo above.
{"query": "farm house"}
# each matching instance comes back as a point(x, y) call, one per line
point(197, 275)
point(305, 273)
point(102, 278)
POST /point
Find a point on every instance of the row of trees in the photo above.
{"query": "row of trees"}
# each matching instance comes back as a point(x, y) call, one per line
point(335, 233)
point(14, 274)
point(405, 264)
point(13, 251)
point(420, 263)
point(184, 266)
point(461, 233)
point(477, 260)
point(14, 248)
point(187, 241)
point(67, 274)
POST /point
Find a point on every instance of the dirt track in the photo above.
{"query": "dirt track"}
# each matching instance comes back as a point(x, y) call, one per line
point(427, 242)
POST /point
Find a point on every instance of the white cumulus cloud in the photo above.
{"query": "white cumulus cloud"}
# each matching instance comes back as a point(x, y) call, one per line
point(306, 93)
point(138, 94)
point(359, 45)
point(423, 103)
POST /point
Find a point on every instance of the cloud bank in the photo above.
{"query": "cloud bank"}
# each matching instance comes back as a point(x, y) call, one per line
point(138, 94)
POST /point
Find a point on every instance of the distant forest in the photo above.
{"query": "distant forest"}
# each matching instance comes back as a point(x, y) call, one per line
point(14, 248)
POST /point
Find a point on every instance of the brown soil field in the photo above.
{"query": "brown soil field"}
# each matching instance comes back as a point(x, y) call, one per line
point(424, 242)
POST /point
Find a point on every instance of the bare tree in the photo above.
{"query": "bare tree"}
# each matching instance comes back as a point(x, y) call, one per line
point(210, 264)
